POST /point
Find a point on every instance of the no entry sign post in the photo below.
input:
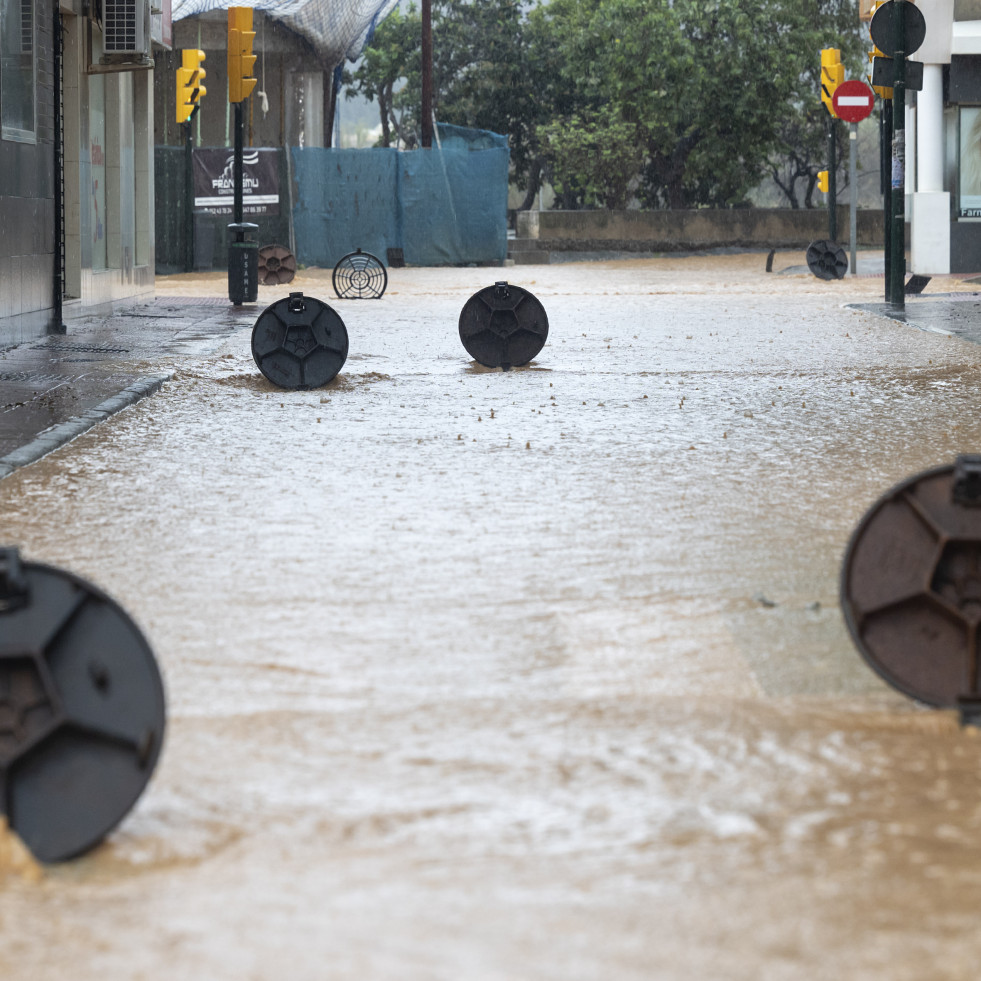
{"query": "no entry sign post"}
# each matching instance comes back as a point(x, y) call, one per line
point(853, 101)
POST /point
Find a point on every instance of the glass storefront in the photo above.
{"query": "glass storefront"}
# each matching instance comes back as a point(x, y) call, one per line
point(18, 117)
point(969, 162)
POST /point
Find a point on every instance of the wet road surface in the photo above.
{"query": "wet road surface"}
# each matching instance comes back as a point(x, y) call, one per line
point(537, 674)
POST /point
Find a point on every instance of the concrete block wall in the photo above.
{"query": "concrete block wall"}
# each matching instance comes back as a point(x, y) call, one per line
point(688, 231)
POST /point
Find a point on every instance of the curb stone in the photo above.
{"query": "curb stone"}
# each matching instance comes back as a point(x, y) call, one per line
point(51, 439)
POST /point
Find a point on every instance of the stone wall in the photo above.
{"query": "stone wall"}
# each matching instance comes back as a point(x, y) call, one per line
point(691, 231)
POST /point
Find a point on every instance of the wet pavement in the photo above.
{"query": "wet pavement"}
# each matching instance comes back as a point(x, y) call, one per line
point(56, 387)
point(957, 314)
point(537, 674)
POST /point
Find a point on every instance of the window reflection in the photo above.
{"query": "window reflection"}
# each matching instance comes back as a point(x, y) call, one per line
point(17, 114)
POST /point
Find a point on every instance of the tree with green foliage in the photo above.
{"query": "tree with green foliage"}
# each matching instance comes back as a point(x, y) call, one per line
point(699, 98)
point(393, 54)
point(705, 83)
point(592, 161)
point(484, 74)
point(802, 140)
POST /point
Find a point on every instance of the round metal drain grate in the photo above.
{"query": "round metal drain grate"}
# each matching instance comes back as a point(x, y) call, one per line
point(277, 265)
point(360, 276)
point(827, 259)
point(911, 586)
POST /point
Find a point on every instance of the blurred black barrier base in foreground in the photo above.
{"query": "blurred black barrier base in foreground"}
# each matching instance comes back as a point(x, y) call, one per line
point(911, 587)
point(81, 709)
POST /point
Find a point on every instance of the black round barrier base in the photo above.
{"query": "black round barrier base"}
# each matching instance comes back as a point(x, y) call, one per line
point(81, 709)
point(503, 326)
point(911, 586)
point(360, 276)
point(277, 265)
point(299, 342)
point(827, 259)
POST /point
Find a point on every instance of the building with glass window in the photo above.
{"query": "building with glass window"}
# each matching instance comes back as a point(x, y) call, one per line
point(943, 142)
point(76, 155)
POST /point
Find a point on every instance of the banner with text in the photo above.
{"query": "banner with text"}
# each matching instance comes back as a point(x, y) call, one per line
point(214, 181)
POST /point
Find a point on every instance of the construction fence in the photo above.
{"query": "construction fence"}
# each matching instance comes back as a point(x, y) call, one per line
point(444, 206)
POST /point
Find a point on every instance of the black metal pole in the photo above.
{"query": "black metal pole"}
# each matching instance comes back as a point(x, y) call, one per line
point(885, 179)
point(832, 178)
point(852, 197)
point(57, 325)
point(188, 197)
point(237, 171)
point(427, 74)
point(897, 274)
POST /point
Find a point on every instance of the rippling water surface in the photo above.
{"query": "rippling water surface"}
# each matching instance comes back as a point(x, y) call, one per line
point(537, 674)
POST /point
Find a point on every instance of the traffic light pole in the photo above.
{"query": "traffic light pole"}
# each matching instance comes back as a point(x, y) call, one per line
point(852, 195)
point(832, 179)
point(189, 192)
point(885, 182)
point(188, 198)
point(237, 164)
point(897, 217)
point(242, 251)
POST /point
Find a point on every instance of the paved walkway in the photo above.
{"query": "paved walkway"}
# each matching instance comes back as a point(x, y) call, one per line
point(54, 388)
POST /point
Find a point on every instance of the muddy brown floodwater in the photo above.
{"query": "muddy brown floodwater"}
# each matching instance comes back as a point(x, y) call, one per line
point(524, 675)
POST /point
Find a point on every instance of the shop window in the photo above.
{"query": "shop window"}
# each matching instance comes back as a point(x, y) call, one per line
point(969, 162)
point(17, 71)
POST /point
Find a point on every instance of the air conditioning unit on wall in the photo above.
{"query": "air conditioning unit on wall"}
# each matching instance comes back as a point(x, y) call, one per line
point(126, 33)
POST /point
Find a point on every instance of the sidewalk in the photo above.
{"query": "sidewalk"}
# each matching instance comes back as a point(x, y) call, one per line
point(57, 387)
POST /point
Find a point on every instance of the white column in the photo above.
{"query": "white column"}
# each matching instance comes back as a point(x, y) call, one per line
point(930, 211)
point(930, 131)
point(911, 121)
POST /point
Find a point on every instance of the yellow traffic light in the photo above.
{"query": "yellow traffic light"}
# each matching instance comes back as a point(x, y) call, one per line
point(241, 60)
point(192, 60)
point(184, 105)
point(823, 181)
point(190, 89)
point(832, 75)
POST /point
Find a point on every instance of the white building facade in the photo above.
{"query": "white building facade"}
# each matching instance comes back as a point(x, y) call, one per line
point(943, 142)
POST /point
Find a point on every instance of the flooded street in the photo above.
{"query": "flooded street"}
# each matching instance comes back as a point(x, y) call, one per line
point(485, 676)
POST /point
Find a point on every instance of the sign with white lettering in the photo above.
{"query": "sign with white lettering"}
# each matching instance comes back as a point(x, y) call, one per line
point(214, 181)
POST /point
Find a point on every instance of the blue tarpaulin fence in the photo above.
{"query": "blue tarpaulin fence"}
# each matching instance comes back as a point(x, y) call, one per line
point(444, 206)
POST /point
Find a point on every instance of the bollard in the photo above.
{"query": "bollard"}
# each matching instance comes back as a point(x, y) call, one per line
point(503, 326)
point(359, 276)
point(299, 343)
point(81, 709)
point(827, 259)
point(911, 587)
point(243, 264)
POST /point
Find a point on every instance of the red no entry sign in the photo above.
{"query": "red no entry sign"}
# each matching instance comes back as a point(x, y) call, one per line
point(853, 101)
